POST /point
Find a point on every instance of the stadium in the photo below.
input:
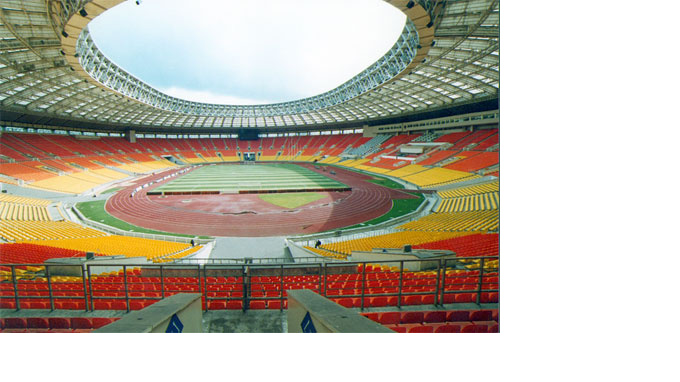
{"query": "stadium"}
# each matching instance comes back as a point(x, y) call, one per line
point(370, 208)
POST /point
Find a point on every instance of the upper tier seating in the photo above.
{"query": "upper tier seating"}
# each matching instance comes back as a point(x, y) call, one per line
point(470, 190)
point(390, 240)
point(119, 245)
point(26, 253)
point(42, 230)
point(461, 221)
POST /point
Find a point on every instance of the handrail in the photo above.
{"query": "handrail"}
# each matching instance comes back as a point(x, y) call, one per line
point(475, 282)
point(117, 231)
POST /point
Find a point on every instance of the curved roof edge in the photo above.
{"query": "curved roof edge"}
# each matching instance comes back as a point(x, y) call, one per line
point(9, 117)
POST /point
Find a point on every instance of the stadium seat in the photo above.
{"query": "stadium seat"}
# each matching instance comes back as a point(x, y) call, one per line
point(481, 315)
point(346, 302)
point(98, 322)
point(81, 323)
point(102, 305)
point(421, 329)
point(458, 316)
point(274, 304)
point(371, 316)
point(118, 305)
point(217, 305)
point(58, 324)
point(235, 304)
point(257, 304)
point(434, 317)
point(448, 328)
point(411, 300)
point(377, 301)
point(389, 318)
point(411, 317)
point(397, 328)
point(15, 323)
point(37, 323)
point(472, 328)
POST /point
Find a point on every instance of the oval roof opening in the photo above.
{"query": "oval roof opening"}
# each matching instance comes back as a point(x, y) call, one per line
point(247, 52)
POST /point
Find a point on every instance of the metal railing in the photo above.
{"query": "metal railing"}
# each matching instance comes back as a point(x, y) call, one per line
point(117, 231)
point(250, 286)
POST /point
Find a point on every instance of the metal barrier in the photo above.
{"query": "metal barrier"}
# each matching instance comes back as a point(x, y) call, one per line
point(116, 231)
point(250, 286)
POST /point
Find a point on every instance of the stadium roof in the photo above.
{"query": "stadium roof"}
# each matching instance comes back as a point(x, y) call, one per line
point(51, 72)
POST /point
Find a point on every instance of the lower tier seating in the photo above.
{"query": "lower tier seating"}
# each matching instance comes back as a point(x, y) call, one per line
point(449, 321)
point(53, 324)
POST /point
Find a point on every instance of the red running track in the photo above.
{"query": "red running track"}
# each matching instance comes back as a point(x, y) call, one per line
point(248, 215)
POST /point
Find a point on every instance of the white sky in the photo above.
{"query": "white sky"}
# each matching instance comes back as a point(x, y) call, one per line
point(247, 52)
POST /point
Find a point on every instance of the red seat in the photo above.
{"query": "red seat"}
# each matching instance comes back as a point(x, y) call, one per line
point(448, 328)
point(421, 329)
point(465, 297)
point(396, 328)
point(59, 323)
point(449, 298)
point(235, 304)
point(371, 316)
point(217, 305)
point(411, 317)
point(118, 305)
point(434, 317)
point(257, 304)
point(136, 305)
point(458, 315)
point(481, 315)
point(15, 323)
point(346, 302)
point(35, 305)
point(411, 300)
point(81, 323)
point(472, 328)
point(7, 304)
point(98, 322)
point(37, 323)
point(495, 328)
point(377, 301)
point(427, 299)
point(389, 318)
point(273, 304)
point(102, 305)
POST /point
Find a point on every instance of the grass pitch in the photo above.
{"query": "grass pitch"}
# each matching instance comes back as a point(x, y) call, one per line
point(291, 200)
point(235, 178)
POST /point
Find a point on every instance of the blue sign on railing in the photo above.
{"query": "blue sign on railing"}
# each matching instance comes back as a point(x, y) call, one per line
point(307, 324)
point(175, 325)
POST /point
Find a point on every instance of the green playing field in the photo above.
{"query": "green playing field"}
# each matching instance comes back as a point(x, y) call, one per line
point(235, 178)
